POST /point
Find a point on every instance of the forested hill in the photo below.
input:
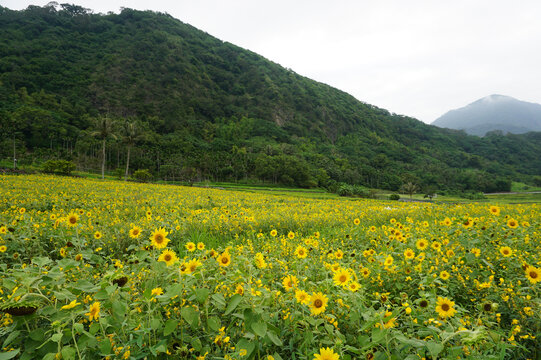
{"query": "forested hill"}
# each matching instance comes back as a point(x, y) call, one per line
point(201, 107)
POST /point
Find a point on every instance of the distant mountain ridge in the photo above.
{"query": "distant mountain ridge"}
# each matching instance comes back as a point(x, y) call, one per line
point(493, 112)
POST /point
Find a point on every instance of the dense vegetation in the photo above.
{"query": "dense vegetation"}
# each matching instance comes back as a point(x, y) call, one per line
point(185, 105)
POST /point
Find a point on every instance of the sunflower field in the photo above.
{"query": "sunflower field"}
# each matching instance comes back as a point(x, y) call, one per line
point(114, 270)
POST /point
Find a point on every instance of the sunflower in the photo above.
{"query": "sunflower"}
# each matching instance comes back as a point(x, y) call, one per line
point(224, 259)
point(423, 303)
point(476, 252)
point(135, 232)
point(388, 261)
point(22, 210)
point(533, 274)
point(94, 311)
point(391, 321)
point(354, 286)
point(290, 282)
point(445, 307)
point(159, 238)
point(365, 272)
point(273, 233)
point(98, 235)
point(326, 354)
point(436, 245)
point(157, 291)
point(444, 275)
point(339, 254)
point(512, 223)
point(200, 246)
point(409, 254)
point(342, 277)
point(301, 252)
point(71, 305)
point(3, 248)
point(72, 219)
point(190, 246)
point(291, 235)
point(302, 297)
point(494, 210)
point(421, 244)
point(506, 251)
point(447, 221)
point(356, 221)
point(168, 257)
point(318, 303)
point(192, 265)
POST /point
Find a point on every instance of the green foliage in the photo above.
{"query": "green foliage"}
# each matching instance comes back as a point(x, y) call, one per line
point(142, 175)
point(63, 167)
point(141, 89)
point(395, 197)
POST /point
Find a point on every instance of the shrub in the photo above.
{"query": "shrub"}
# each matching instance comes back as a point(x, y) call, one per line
point(142, 175)
point(63, 167)
point(394, 197)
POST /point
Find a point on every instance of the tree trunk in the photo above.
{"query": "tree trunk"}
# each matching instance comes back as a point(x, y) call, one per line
point(103, 160)
point(127, 164)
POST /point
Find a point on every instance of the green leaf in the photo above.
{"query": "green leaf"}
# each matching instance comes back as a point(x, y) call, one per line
point(219, 300)
point(434, 348)
point(37, 335)
point(202, 295)
point(233, 303)
point(246, 345)
point(68, 353)
point(56, 337)
point(214, 323)
point(259, 328)
point(79, 327)
point(170, 326)
point(9, 355)
point(105, 347)
point(275, 339)
point(10, 338)
point(196, 344)
point(190, 315)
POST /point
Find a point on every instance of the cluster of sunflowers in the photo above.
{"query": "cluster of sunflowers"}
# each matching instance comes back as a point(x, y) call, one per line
point(93, 269)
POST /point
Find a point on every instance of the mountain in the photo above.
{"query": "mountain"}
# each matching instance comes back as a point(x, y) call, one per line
point(207, 109)
point(494, 112)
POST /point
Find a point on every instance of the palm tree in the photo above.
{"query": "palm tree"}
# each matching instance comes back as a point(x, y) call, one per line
point(132, 133)
point(410, 189)
point(103, 126)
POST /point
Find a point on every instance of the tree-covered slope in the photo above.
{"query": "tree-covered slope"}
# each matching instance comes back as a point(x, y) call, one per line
point(209, 109)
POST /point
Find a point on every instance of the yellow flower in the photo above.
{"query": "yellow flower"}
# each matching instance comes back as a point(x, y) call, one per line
point(71, 305)
point(224, 259)
point(200, 246)
point(157, 291)
point(273, 233)
point(342, 277)
point(318, 303)
point(494, 210)
point(98, 235)
point(512, 223)
point(72, 219)
point(533, 274)
point(388, 261)
point(243, 352)
point(356, 221)
point(445, 307)
point(354, 286)
point(290, 282)
point(94, 311)
point(301, 252)
point(159, 238)
point(3, 248)
point(302, 297)
point(506, 251)
point(326, 354)
point(135, 232)
point(168, 257)
point(445, 275)
point(291, 235)
point(409, 254)
point(190, 246)
point(421, 244)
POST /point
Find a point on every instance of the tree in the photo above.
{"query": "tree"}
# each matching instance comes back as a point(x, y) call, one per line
point(132, 133)
point(103, 130)
point(410, 189)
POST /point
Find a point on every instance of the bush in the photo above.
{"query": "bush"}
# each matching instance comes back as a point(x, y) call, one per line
point(394, 197)
point(119, 173)
point(63, 167)
point(142, 175)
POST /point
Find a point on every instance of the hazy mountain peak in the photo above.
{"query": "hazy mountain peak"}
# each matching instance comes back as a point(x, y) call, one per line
point(493, 112)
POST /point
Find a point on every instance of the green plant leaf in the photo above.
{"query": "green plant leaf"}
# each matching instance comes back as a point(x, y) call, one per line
point(170, 326)
point(259, 328)
point(9, 355)
point(233, 303)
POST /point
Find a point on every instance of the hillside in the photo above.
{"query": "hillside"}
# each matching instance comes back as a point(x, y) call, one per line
point(494, 112)
point(209, 109)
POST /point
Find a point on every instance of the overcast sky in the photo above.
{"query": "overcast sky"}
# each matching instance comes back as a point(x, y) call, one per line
point(419, 58)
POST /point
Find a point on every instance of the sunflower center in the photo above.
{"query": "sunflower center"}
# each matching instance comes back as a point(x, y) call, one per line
point(225, 260)
point(73, 220)
point(534, 274)
point(167, 257)
point(445, 307)
point(343, 278)
point(488, 307)
point(318, 303)
point(506, 252)
point(423, 304)
point(135, 232)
